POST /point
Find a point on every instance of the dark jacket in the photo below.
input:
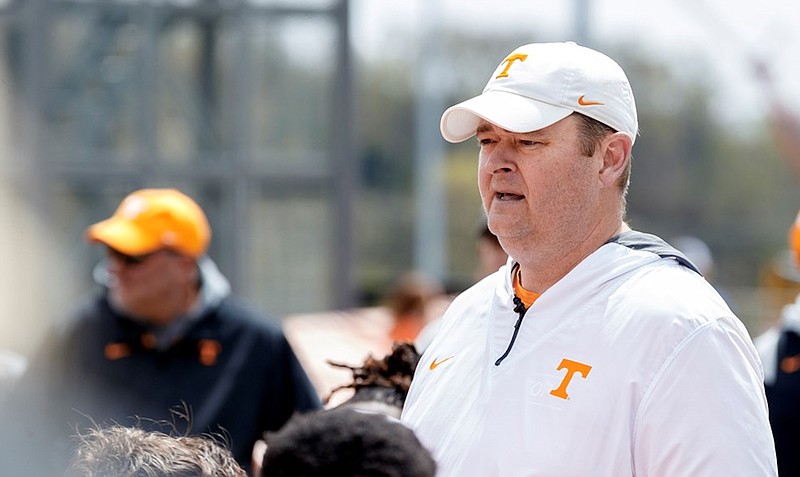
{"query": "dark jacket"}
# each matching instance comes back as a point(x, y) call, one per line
point(783, 395)
point(780, 355)
point(229, 372)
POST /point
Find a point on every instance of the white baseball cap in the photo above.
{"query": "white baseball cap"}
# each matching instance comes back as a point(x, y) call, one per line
point(540, 84)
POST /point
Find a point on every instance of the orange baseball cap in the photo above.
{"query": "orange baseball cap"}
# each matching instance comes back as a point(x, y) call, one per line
point(794, 240)
point(148, 220)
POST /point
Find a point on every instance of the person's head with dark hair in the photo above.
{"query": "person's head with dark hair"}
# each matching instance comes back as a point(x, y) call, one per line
point(408, 301)
point(491, 255)
point(119, 451)
point(347, 442)
point(381, 385)
point(380, 389)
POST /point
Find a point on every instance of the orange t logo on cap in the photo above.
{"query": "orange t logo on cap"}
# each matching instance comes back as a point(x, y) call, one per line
point(510, 61)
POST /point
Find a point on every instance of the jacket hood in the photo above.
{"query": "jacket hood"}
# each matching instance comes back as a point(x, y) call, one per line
point(621, 254)
point(214, 286)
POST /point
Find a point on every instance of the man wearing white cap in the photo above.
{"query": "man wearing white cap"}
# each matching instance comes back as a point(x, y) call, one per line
point(163, 343)
point(596, 350)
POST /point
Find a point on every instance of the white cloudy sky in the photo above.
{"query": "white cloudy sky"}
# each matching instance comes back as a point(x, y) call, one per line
point(725, 34)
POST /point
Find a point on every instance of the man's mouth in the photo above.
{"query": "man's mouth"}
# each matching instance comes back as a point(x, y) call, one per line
point(505, 196)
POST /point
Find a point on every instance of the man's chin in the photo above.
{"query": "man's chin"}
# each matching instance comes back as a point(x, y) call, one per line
point(504, 225)
point(123, 303)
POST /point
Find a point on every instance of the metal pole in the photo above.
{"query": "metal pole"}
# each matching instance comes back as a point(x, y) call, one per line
point(344, 165)
point(431, 217)
point(36, 23)
point(582, 22)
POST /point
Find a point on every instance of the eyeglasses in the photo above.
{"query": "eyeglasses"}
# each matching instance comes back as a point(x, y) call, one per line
point(129, 260)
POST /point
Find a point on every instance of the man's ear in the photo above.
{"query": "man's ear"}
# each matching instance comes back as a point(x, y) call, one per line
point(616, 150)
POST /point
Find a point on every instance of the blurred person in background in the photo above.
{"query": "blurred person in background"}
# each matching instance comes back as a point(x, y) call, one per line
point(779, 348)
point(164, 339)
point(597, 350)
point(491, 255)
point(380, 386)
point(409, 301)
point(12, 367)
point(700, 254)
point(119, 451)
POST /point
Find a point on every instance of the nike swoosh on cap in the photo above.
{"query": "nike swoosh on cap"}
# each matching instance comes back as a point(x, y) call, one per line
point(585, 102)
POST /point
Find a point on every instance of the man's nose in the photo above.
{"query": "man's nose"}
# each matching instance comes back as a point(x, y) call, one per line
point(499, 159)
point(114, 264)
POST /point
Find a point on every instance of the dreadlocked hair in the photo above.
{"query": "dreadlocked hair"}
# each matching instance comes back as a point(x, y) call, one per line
point(386, 380)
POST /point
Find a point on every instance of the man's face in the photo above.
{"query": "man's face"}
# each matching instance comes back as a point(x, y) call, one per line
point(146, 285)
point(538, 189)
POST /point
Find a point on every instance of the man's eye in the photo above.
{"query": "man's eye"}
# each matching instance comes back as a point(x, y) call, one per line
point(528, 142)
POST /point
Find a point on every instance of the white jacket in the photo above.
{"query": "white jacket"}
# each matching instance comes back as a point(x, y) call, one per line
point(631, 365)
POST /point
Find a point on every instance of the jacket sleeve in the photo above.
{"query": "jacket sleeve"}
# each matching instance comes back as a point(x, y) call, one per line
point(304, 395)
point(296, 395)
point(705, 414)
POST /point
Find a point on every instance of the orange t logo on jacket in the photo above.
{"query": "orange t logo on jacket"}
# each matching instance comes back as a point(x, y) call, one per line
point(572, 368)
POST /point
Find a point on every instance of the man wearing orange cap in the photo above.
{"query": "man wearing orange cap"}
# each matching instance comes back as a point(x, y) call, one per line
point(164, 339)
point(779, 348)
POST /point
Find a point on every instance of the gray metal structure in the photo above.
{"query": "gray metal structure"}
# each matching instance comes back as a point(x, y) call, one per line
point(247, 105)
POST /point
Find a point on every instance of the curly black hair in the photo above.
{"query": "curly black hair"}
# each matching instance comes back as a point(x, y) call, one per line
point(384, 380)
